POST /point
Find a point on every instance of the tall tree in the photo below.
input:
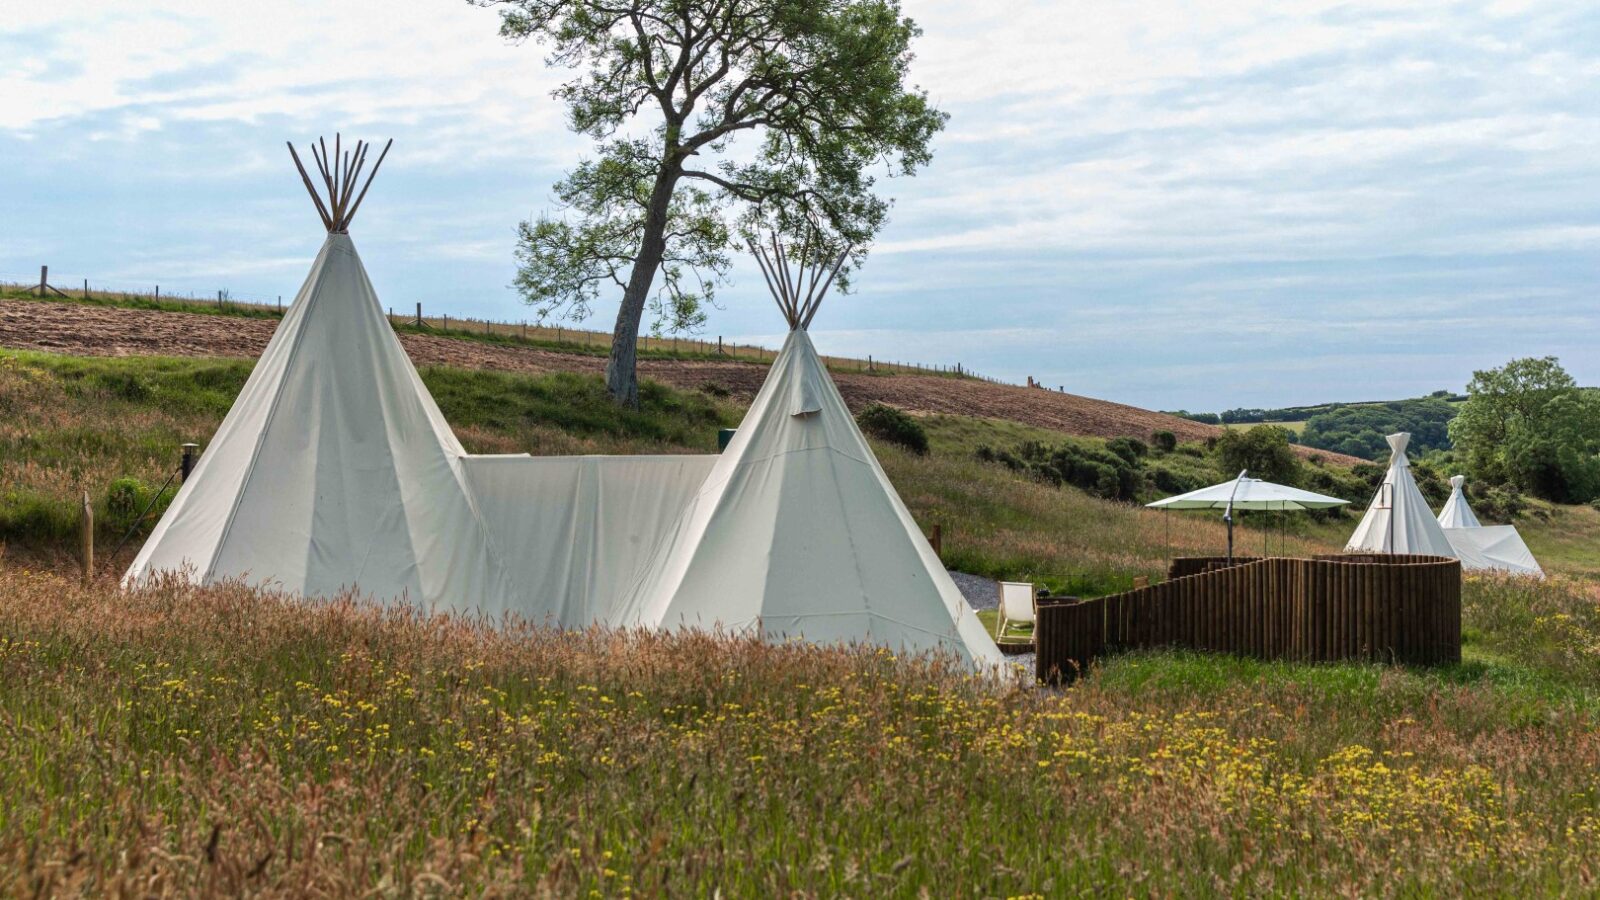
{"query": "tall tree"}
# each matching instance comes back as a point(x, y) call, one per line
point(1528, 424)
point(713, 121)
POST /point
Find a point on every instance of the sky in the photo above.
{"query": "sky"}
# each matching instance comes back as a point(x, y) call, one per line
point(1169, 204)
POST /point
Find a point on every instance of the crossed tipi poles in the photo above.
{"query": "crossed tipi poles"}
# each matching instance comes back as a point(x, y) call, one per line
point(797, 290)
point(340, 172)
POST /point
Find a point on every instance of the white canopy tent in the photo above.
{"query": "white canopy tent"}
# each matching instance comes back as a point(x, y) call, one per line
point(1491, 548)
point(1399, 520)
point(1248, 493)
point(796, 532)
point(334, 469)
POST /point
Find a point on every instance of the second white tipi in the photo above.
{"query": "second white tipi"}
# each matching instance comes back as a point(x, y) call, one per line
point(1399, 520)
point(797, 532)
point(1456, 512)
point(1484, 548)
point(334, 469)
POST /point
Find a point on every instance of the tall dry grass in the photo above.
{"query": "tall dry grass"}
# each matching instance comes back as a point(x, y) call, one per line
point(223, 741)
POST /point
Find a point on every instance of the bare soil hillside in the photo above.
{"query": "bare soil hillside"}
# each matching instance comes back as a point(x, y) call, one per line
point(107, 331)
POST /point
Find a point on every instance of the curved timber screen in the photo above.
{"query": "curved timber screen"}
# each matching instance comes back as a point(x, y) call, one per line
point(1379, 608)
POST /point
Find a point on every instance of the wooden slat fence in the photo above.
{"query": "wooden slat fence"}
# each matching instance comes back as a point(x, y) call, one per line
point(1378, 608)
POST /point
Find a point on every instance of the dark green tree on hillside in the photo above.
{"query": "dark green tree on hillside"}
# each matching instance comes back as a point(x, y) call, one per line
point(1264, 450)
point(1527, 424)
point(714, 121)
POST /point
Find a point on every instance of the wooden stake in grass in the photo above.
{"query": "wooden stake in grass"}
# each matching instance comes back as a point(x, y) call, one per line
point(88, 539)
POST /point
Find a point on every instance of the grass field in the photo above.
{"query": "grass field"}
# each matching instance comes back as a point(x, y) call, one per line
point(182, 741)
point(221, 741)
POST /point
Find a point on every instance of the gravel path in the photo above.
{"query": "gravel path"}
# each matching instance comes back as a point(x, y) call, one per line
point(981, 593)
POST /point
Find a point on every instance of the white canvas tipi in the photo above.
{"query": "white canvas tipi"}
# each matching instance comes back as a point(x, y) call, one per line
point(334, 469)
point(797, 532)
point(1399, 520)
point(1456, 512)
point(1480, 547)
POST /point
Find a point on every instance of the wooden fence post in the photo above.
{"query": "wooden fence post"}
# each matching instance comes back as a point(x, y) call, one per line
point(419, 313)
point(87, 526)
point(86, 289)
point(44, 279)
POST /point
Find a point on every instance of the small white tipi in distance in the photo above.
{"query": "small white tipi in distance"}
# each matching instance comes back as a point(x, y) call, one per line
point(797, 532)
point(334, 469)
point(1399, 520)
point(1484, 548)
point(1456, 512)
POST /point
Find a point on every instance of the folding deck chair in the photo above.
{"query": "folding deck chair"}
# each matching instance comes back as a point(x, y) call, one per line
point(1016, 607)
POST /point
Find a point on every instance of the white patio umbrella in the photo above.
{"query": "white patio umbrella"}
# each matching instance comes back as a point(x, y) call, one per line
point(1247, 493)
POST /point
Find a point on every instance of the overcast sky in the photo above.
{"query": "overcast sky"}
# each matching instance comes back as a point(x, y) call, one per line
point(1167, 203)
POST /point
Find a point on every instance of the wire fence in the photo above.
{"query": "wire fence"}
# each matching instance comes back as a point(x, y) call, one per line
point(53, 286)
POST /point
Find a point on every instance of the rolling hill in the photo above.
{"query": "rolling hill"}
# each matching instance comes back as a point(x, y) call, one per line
point(81, 329)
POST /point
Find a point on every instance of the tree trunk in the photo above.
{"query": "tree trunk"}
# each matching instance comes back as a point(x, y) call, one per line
point(622, 375)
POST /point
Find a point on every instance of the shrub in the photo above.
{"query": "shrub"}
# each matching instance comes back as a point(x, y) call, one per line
point(1168, 481)
point(1130, 449)
point(1097, 471)
point(126, 498)
point(1164, 441)
point(889, 424)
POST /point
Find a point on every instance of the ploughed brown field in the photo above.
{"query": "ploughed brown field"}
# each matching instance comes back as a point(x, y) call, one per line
point(108, 331)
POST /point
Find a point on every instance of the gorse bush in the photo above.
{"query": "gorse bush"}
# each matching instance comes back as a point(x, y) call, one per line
point(1164, 441)
point(1100, 472)
point(889, 424)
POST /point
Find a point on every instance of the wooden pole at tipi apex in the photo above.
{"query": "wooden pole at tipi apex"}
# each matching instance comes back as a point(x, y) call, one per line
point(817, 303)
point(327, 220)
point(785, 277)
point(340, 171)
point(774, 284)
point(362, 196)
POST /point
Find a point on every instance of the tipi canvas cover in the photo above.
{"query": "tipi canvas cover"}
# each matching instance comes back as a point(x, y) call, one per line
point(1399, 520)
point(798, 533)
point(1456, 512)
point(334, 469)
point(1481, 547)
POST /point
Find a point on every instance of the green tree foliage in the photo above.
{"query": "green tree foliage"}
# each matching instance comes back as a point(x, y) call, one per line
point(1528, 425)
point(1201, 417)
point(1264, 450)
point(1360, 429)
point(713, 121)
